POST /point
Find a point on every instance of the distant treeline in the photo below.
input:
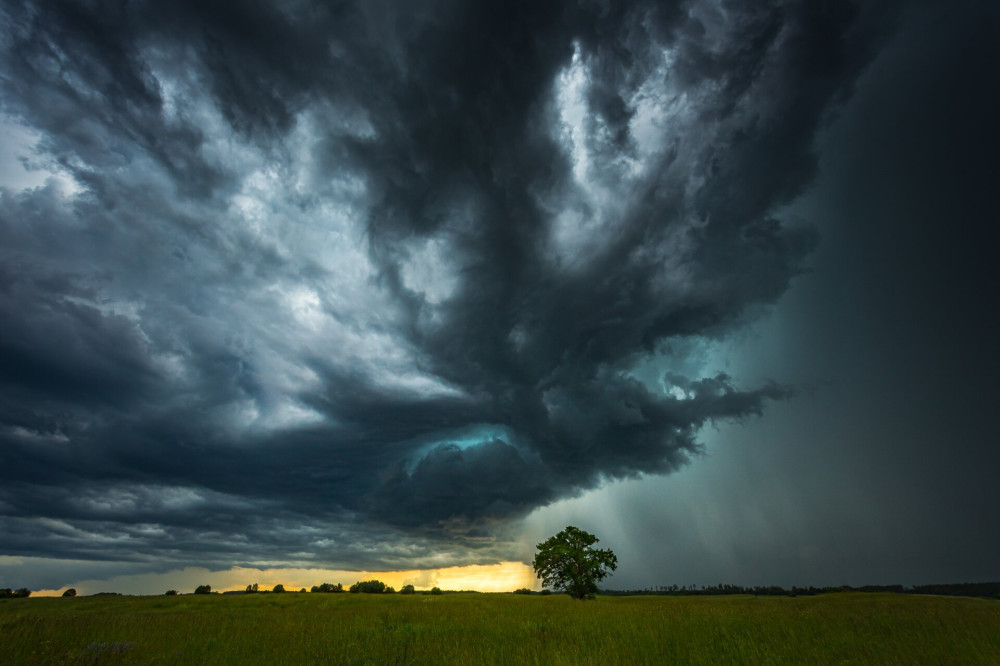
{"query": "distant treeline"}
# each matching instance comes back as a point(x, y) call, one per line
point(984, 590)
point(987, 590)
point(363, 587)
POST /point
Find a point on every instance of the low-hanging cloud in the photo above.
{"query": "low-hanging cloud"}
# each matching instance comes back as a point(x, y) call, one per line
point(358, 283)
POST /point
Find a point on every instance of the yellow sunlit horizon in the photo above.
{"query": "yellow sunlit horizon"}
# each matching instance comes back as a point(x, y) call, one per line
point(499, 577)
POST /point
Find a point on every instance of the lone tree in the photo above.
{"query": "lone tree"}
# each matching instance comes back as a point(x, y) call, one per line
point(569, 562)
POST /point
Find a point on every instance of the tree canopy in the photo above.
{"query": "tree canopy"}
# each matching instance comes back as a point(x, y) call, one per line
point(569, 562)
point(328, 588)
point(371, 587)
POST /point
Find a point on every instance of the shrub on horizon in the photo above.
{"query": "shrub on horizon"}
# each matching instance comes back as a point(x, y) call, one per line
point(371, 587)
point(328, 588)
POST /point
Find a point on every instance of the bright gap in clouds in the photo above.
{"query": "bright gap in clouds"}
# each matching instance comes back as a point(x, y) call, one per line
point(611, 166)
point(465, 438)
point(22, 165)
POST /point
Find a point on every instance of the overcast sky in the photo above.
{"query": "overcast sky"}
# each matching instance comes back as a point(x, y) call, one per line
point(395, 286)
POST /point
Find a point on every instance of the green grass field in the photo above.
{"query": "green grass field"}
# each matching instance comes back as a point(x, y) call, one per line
point(852, 628)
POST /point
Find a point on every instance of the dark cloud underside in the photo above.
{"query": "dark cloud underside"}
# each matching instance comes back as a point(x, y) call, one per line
point(314, 280)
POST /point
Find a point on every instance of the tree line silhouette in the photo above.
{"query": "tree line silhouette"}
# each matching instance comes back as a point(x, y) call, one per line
point(360, 587)
point(987, 590)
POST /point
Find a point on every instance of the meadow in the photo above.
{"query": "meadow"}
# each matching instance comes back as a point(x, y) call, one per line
point(293, 628)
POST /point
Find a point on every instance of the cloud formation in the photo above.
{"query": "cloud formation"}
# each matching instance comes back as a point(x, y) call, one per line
point(359, 283)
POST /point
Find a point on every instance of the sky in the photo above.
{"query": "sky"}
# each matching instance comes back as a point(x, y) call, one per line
point(309, 292)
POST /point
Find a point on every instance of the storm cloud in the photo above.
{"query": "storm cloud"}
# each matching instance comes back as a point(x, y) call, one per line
point(360, 283)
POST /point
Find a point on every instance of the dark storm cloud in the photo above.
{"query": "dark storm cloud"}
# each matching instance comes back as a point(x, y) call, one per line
point(305, 275)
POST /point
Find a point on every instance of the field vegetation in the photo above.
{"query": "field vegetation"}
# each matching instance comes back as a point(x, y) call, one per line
point(851, 628)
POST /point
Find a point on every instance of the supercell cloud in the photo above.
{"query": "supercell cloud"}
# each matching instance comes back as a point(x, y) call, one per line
point(361, 283)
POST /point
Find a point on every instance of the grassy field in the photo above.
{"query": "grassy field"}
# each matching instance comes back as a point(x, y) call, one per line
point(291, 628)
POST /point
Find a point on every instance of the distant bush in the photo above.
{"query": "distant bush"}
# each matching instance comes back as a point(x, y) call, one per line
point(407, 589)
point(203, 589)
point(20, 593)
point(278, 588)
point(546, 591)
point(522, 590)
point(370, 587)
point(253, 588)
point(328, 588)
point(170, 593)
point(71, 592)
point(435, 590)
